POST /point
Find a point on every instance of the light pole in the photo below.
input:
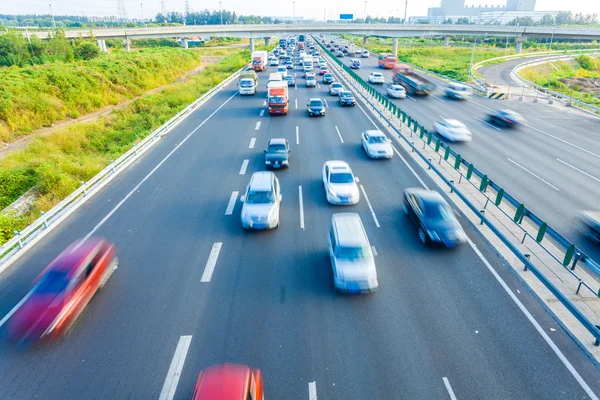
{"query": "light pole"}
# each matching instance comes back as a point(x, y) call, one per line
point(405, 10)
point(142, 8)
point(293, 12)
point(52, 13)
point(365, 11)
point(221, 11)
point(324, 17)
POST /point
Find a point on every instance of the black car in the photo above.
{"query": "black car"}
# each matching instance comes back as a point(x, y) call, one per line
point(277, 153)
point(316, 107)
point(291, 81)
point(506, 118)
point(347, 98)
point(289, 65)
point(435, 220)
point(339, 54)
point(328, 78)
point(591, 225)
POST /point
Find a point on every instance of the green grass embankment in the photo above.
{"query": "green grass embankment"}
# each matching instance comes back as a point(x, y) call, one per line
point(38, 96)
point(54, 165)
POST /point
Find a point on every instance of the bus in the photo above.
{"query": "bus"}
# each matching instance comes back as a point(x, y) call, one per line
point(387, 61)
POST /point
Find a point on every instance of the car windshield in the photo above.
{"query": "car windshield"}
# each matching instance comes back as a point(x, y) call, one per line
point(53, 282)
point(438, 212)
point(316, 103)
point(352, 253)
point(289, 78)
point(377, 139)
point(346, 94)
point(336, 85)
point(259, 197)
point(343, 177)
point(246, 83)
point(277, 148)
point(328, 76)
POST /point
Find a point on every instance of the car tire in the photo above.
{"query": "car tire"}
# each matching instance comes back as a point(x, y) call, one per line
point(423, 236)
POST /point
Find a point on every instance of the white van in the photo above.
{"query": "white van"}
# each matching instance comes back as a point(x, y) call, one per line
point(458, 91)
point(275, 76)
point(351, 255)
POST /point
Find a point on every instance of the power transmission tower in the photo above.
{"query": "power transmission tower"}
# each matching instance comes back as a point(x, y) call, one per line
point(187, 11)
point(121, 11)
point(163, 7)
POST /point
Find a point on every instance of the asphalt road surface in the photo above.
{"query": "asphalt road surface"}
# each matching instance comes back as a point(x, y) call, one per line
point(441, 325)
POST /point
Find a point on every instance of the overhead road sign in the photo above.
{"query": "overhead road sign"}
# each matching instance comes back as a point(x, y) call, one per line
point(346, 16)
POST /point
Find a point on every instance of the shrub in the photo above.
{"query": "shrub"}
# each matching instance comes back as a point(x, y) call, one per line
point(86, 51)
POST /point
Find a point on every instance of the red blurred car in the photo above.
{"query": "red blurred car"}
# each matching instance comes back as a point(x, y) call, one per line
point(229, 382)
point(62, 291)
point(323, 71)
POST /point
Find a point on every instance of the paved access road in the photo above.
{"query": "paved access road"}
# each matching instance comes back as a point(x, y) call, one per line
point(440, 323)
point(550, 164)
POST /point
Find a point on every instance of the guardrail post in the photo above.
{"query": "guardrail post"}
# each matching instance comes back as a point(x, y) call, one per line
point(45, 219)
point(597, 342)
point(527, 256)
point(576, 258)
point(482, 212)
point(18, 234)
point(412, 147)
point(451, 183)
point(112, 164)
point(429, 163)
point(84, 188)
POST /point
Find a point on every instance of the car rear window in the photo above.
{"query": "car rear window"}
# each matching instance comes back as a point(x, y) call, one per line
point(352, 253)
point(377, 139)
point(315, 103)
point(259, 197)
point(438, 212)
point(343, 177)
point(277, 148)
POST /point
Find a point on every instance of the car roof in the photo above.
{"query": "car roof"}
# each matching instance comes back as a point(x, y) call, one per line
point(261, 181)
point(338, 165)
point(349, 229)
point(396, 87)
point(427, 196)
point(454, 122)
point(376, 73)
point(73, 256)
point(278, 141)
point(225, 382)
point(337, 83)
point(374, 132)
point(315, 99)
point(345, 92)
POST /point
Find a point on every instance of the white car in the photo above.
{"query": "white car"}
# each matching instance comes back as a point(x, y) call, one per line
point(336, 88)
point(453, 130)
point(274, 62)
point(261, 202)
point(282, 70)
point(458, 91)
point(376, 77)
point(365, 54)
point(396, 92)
point(340, 183)
point(376, 144)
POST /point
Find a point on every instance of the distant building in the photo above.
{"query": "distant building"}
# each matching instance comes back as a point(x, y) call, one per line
point(455, 9)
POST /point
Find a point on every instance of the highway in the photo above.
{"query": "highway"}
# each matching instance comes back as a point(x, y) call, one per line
point(550, 164)
point(444, 324)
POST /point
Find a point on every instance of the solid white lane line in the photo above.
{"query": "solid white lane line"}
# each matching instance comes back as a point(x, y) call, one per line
point(525, 169)
point(409, 167)
point(15, 308)
point(296, 103)
point(297, 135)
point(488, 124)
point(312, 390)
point(257, 127)
point(262, 113)
point(244, 166)
point(301, 207)
point(232, 201)
point(440, 99)
point(252, 143)
point(577, 169)
point(209, 268)
point(535, 324)
point(370, 207)
point(326, 105)
point(172, 379)
point(339, 134)
point(449, 388)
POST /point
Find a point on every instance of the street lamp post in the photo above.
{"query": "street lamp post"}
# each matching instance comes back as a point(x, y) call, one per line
point(52, 13)
point(405, 10)
point(293, 12)
point(142, 8)
point(365, 11)
point(221, 11)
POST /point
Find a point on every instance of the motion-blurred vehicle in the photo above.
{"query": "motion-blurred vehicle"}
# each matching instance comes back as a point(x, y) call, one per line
point(340, 183)
point(339, 54)
point(458, 91)
point(229, 382)
point(322, 63)
point(412, 82)
point(328, 78)
point(355, 63)
point(435, 220)
point(277, 153)
point(591, 225)
point(335, 89)
point(316, 106)
point(311, 80)
point(376, 77)
point(364, 54)
point(506, 118)
point(261, 202)
point(387, 61)
point(323, 70)
point(62, 291)
point(306, 71)
point(282, 70)
point(346, 98)
point(291, 81)
point(396, 92)
point(376, 144)
point(453, 130)
point(351, 255)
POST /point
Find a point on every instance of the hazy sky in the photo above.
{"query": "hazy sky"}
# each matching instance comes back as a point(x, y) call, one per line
point(306, 8)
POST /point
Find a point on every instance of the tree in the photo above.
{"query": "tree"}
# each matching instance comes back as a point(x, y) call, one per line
point(522, 21)
point(547, 19)
point(86, 51)
point(563, 17)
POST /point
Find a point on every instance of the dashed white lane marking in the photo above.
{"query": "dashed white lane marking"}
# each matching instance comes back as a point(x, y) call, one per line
point(264, 103)
point(212, 262)
point(312, 390)
point(252, 143)
point(172, 379)
point(487, 123)
point(533, 174)
point(296, 103)
point(257, 127)
point(232, 201)
point(262, 113)
point(301, 207)
point(339, 134)
point(297, 135)
point(449, 388)
point(577, 169)
point(244, 166)
point(440, 99)
point(319, 85)
point(369, 204)
point(374, 251)
point(326, 105)
point(411, 98)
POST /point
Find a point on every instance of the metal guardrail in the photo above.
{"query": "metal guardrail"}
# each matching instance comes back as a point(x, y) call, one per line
point(521, 212)
point(32, 233)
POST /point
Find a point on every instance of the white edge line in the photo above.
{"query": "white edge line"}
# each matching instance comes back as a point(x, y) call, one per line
point(209, 268)
point(339, 134)
point(232, 201)
point(577, 169)
point(312, 390)
point(449, 388)
point(172, 378)
point(301, 207)
point(525, 169)
point(369, 204)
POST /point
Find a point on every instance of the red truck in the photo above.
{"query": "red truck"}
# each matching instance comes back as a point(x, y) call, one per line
point(278, 97)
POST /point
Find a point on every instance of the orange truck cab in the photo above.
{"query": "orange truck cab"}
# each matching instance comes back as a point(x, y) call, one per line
point(229, 382)
point(278, 99)
point(387, 61)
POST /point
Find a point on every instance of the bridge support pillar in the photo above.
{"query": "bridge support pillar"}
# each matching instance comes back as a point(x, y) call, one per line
point(395, 47)
point(267, 41)
point(365, 40)
point(519, 46)
point(102, 45)
point(251, 45)
point(184, 43)
point(127, 43)
point(446, 41)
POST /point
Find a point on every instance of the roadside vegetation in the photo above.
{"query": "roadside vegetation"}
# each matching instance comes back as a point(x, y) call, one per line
point(53, 166)
point(578, 78)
